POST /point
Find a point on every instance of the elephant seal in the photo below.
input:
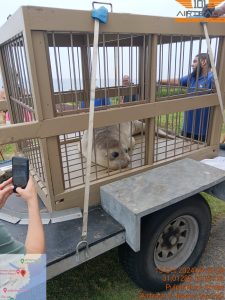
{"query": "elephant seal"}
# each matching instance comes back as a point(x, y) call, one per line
point(114, 144)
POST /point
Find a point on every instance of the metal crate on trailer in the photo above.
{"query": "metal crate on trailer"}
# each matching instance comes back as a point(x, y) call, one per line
point(46, 58)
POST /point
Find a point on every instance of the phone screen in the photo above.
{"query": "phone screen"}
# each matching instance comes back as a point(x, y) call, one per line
point(20, 176)
point(20, 171)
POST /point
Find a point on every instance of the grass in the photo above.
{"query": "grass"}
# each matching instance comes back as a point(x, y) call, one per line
point(7, 151)
point(172, 121)
point(217, 206)
point(99, 279)
point(170, 91)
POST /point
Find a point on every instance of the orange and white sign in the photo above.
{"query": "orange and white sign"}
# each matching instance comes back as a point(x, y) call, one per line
point(192, 11)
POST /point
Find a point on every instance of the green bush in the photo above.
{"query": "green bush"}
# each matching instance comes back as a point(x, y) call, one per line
point(167, 91)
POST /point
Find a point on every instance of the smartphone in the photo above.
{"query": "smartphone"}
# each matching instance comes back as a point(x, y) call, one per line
point(20, 172)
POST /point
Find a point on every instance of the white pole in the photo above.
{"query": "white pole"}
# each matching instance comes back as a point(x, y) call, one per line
point(90, 129)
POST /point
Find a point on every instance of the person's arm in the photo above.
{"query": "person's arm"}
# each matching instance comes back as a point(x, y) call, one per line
point(212, 84)
point(35, 240)
point(8, 245)
point(6, 189)
point(220, 11)
point(173, 81)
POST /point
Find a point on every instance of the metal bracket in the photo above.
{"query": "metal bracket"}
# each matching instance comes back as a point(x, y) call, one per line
point(85, 243)
point(96, 2)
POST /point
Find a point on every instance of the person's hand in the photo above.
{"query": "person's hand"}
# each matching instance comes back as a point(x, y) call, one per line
point(218, 12)
point(6, 189)
point(29, 194)
point(121, 100)
point(222, 141)
point(208, 12)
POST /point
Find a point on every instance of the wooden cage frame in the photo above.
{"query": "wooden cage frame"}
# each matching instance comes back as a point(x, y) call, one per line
point(34, 23)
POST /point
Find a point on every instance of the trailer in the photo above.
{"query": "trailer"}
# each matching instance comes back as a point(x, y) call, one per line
point(167, 230)
point(151, 208)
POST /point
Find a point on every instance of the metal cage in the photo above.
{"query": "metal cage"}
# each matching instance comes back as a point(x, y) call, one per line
point(45, 57)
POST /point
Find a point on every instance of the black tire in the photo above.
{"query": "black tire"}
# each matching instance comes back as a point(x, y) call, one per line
point(142, 266)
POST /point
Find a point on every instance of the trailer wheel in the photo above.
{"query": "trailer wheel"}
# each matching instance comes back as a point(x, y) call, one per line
point(172, 241)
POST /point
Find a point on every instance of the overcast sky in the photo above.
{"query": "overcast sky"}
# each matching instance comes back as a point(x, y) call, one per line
point(146, 7)
point(168, 8)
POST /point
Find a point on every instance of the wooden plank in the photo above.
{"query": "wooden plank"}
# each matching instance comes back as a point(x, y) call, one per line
point(85, 72)
point(54, 19)
point(9, 107)
point(151, 95)
point(217, 121)
point(49, 203)
point(68, 96)
point(43, 74)
point(32, 72)
point(42, 191)
point(51, 164)
point(55, 165)
point(79, 122)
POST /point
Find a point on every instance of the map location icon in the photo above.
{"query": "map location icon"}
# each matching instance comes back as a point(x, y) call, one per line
point(23, 272)
point(5, 290)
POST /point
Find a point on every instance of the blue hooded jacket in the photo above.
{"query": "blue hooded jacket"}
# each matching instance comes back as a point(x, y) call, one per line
point(196, 121)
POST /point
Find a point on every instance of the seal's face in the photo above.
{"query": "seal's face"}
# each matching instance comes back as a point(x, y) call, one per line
point(116, 157)
point(112, 145)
